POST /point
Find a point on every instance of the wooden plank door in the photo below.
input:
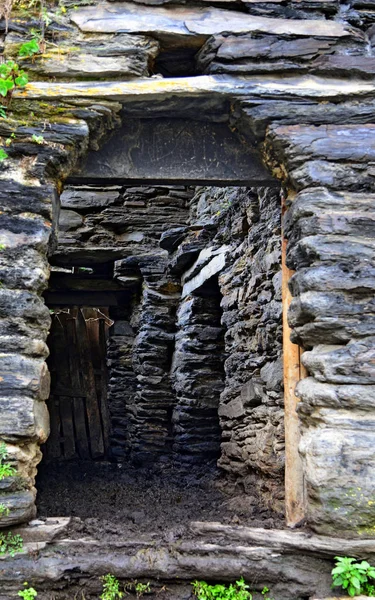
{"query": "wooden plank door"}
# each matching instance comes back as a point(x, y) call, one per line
point(78, 402)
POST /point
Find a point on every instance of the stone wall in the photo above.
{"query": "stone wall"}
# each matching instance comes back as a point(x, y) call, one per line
point(295, 79)
point(251, 408)
point(244, 253)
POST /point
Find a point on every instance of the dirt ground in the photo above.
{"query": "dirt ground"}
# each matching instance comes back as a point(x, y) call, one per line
point(111, 500)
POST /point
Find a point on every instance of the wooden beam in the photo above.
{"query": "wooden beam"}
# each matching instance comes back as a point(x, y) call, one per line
point(294, 478)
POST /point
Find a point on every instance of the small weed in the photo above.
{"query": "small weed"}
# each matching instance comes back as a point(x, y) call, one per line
point(10, 139)
point(354, 576)
point(28, 593)
point(4, 511)
point(236, 591)
point(3, 155)
point(10, 544)
point(29, 49)
point(265, 591)
point(6, 469)
point(3, 113)
point(111, 588)
point(39, 139)
point(139, 588)
point(11, 77)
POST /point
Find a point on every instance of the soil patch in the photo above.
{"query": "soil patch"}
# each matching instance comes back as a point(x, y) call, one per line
point(115, 500)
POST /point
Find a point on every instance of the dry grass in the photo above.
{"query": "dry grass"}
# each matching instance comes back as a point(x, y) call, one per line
point(5, 11)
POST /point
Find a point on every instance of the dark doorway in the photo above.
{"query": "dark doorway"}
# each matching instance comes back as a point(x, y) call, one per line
point(78, 399)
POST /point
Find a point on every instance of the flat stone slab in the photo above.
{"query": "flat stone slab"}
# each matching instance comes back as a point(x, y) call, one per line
point(43, 531)
point(155, 88)
point(127, 17)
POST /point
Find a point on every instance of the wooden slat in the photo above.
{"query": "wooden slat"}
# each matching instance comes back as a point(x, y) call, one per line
point(66, 417)
point(53, 447)
point(79, 408)
point(61, 379)
point(294, 479)
point(92, 405)
point(103, 328)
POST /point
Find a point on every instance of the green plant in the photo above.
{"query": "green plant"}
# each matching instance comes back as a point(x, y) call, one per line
point(3, 113)
point(4, 511)
point(11, 77)
point(138, 587)
point(142, 588)
point(10, 544)
point(28, 49)
point(3, 155)
point(10, 139)
point(39, 139)
point(6, 469)
point(29, 593)
point(265, 591)
point(236, 591)
point(111, 588)
point(353, 576)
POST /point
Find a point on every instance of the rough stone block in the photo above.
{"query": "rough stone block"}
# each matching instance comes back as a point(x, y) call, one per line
point(23, 419)
point(353, 363)
point(21, 375)
point(339, 465)
point(315, 393)
point(21, 507)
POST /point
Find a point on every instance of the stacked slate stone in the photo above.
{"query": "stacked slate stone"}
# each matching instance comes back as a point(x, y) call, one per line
point(122, 386)
point(198, 377)
point(101, 224)
point(251, 407)
point(150, 408)
point(244, 227)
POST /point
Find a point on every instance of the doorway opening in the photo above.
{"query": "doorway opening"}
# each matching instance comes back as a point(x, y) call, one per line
point(166, 312)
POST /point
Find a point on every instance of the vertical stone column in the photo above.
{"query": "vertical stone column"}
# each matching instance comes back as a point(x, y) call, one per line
point(332, 314)
point(330, 231)
point(121, 387)
point(198, 373)
point(25, 230)
point(150, 409)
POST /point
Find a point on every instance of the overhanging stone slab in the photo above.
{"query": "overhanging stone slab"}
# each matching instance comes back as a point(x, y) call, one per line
point(175, 150)
point(126, 17)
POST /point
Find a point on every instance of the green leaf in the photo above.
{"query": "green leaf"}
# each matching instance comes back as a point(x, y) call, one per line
point(3, 155)
point(22, 80)
point(339, 569)
point(3, 88)
point(29, 49)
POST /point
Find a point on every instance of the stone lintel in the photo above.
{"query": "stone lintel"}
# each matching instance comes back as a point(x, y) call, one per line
point(175, 151)
point(202, 85)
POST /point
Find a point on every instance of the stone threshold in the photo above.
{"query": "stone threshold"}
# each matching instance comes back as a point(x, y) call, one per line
point(289, 561)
